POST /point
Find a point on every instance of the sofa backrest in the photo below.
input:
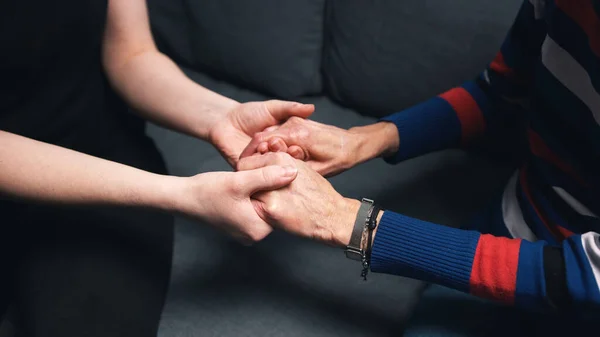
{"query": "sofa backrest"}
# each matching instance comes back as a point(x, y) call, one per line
point(273, 46)
point(376, 56)
point(382, 56)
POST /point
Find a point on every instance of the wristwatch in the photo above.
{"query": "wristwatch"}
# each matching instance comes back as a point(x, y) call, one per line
point(353, 250)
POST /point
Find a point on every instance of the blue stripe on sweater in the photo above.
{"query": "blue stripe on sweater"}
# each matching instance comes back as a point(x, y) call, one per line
point(523, 41)
point(426, 127)
point(531, 282)
point(418, 249)
point(580, 277)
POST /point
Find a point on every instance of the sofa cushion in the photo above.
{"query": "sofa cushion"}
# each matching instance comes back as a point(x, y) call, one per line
point(382, 56)
point(273, 46)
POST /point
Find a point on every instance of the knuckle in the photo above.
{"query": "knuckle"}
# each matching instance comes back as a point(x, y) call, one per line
point(266, 174)
point(259, 136)
point(295, 120)
point(257, 234)
point(280, 157)
point(242, 165)
point(271, 208)
point(236, 185)
point(301, 132)
point(256, 237)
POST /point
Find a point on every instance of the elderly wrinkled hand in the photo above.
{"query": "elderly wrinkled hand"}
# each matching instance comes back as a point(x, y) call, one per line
point(327, 149)
point(309, 207)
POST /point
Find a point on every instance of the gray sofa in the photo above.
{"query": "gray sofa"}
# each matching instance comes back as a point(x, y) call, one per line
point(355, 60)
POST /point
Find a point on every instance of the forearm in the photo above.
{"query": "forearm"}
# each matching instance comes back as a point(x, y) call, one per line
point(532, 275)
point(158, 90)
point(512, 271)
point(483, 107)
point(41, 172)
point(373, 141)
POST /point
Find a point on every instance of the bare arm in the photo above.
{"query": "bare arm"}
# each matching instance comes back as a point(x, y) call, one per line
point(159, 91)
point(150, 81)
point(42, 172)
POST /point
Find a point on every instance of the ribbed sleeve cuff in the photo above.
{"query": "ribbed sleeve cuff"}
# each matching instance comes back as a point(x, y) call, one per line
point(422, 250)
point(426, 127)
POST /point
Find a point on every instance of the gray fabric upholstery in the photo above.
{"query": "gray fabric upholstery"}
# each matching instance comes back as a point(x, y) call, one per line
point(285, 286)
point(383, 56)
point(270, 45)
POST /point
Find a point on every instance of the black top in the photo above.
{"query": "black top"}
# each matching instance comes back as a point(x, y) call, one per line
point(52, 85)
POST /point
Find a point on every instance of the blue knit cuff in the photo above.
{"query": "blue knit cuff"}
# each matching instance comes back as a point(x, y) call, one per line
point(425, 251)
point(426, 127)
point(531, 281)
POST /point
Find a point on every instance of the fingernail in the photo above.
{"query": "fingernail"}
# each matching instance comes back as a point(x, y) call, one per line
point(289, 171)
point(275, 145)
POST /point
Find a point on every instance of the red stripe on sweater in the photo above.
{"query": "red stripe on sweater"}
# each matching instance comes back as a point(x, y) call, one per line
point(583, 13)
point(468, 112)
point(498, 65)
point(494, 271)
point(539, 148)
point(559, 232)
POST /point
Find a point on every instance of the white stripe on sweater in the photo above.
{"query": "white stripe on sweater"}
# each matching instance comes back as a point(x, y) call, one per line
point(574, 203)
point(591, 246)
point(571, 74)
point(538, 8)
point(512, 214)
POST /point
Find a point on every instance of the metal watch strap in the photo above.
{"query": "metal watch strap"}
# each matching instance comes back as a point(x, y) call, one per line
point(353, 250)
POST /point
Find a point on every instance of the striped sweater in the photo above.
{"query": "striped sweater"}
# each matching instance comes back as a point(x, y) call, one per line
point(544, 252)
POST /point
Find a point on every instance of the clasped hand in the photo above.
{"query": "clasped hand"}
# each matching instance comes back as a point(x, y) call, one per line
point(280, 181)
point(269, 190)
point(308, 207)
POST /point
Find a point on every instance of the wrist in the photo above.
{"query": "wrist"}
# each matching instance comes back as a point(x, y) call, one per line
point(379, 216)
point(348, 209)
point(214, 114)
point(161, 192)
point(375, 140)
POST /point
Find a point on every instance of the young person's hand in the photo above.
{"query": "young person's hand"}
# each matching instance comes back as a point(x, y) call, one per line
point(233, 133)
point(308, 207)
point(223, 199)
point(327, 149)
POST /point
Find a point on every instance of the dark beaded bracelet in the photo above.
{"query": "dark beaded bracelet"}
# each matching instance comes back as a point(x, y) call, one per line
point(371, 225)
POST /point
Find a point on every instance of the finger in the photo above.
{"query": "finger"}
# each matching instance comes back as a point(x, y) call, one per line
point(253, 229)
point(277, 145)
point(265, 179)
point(261, 142)
point(255, 145)
point(271, 158)
point(263, 148)
point(282, 110)
point(296, 152)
